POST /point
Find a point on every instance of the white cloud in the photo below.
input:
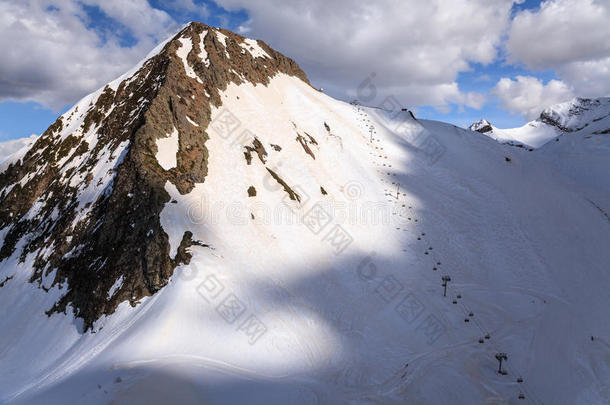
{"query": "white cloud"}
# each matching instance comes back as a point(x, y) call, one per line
point(590, 78)
point(569, 37)
point(243, 29)
point(142, 19)
point(529, 96)
point(561, 31)
point(416, 48)
point(50, 55)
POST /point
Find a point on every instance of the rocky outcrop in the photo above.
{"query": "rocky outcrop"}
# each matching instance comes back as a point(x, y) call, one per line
point(305, 144)
point(258, 148)
point(291, 193)
point(482, 126)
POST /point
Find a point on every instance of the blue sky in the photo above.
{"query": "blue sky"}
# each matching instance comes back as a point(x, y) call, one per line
point(482, 79)
point(503, 81)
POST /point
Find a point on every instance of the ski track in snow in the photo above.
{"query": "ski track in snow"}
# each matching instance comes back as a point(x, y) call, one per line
point(395, 381)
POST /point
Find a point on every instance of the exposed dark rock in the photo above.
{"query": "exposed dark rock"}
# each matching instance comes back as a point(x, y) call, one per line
point(311, 139)
point(287, 189)
point(257, 147)
point(184, 256)
point(251, 191)
point(248, 156)
point(305, 146)
point(6, 280)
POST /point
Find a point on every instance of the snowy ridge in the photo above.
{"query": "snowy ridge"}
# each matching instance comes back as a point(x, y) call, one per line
point(13, 150)
point(581, 116)
point(578, 113)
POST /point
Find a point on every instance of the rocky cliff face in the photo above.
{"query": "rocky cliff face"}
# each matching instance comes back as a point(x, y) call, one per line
point(83, 203)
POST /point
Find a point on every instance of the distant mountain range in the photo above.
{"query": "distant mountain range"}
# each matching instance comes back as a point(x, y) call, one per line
point(581, 115)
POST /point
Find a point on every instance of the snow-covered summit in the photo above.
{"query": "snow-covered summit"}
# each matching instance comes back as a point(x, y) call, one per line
point(481, 126)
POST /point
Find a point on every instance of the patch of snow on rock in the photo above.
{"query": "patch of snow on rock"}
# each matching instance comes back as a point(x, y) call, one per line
point(252, 46)
point(223, 38)
point(167, 148)
point(191, 121)
point(182, 52)
point(203, 54)
point(115, 287)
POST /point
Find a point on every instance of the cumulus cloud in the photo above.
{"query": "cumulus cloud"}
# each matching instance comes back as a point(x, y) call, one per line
point(569, 37)
point(590, 78)
point(415, 48)
point(529, 96)
point(142, 19)
point(51, 55)
point(561, 31)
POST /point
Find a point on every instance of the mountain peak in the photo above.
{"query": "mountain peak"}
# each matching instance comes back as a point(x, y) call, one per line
point(90, 190)
point(249, 60)
point(481, 126)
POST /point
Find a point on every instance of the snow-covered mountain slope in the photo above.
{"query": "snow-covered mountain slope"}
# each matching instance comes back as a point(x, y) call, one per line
point(578, 114)
point(14, 149)
point(317, 247)
point(579, 117)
